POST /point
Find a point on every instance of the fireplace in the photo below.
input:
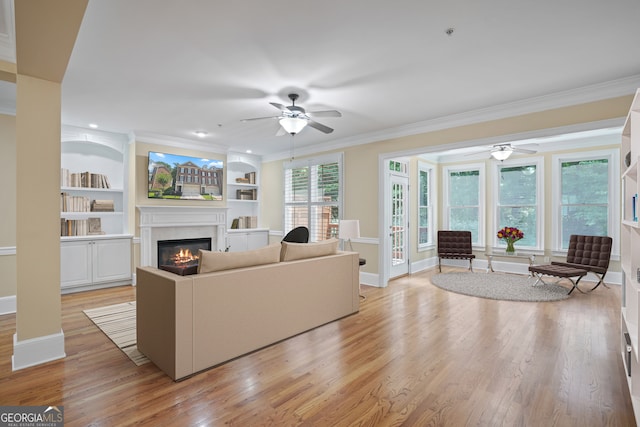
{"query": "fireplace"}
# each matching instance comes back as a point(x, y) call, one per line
point(179, 222)
point(180, 256)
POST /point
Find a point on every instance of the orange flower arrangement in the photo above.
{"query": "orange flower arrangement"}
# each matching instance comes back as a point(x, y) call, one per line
point(510, 235)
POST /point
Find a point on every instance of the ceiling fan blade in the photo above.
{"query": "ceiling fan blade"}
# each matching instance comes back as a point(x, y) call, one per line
point(280, 107)
point(325, 113)
point(260, 118)
point(523, 150)
point(319, 126)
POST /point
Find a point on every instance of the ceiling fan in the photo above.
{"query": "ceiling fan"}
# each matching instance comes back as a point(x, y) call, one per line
point(503, 151)
point(293, 118)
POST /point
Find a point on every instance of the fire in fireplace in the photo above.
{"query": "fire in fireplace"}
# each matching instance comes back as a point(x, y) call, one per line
point(181, 255)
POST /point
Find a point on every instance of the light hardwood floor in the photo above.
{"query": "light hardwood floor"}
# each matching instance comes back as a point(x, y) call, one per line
point(414, 355)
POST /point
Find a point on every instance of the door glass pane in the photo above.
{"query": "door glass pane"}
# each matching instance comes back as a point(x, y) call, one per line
point(397, 224)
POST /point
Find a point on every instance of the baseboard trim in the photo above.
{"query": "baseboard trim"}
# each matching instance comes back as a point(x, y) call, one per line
point(8, 305)
point(369, 279)
point(36, 351)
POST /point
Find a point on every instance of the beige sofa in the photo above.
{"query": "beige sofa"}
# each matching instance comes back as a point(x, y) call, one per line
point(186, 324)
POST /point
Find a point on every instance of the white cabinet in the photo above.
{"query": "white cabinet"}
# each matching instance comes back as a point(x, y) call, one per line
point(630, 252)
point(95, 246)
point(91, 263)
point(243, 188)
point(244, 240)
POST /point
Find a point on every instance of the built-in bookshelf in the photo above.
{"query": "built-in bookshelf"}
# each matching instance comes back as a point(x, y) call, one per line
point(243, 174)
point(95, 244)
point(630, 252)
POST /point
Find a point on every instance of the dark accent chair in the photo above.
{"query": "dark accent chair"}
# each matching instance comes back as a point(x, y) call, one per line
point(454, 245)
point(297, 235)
point(586, 254)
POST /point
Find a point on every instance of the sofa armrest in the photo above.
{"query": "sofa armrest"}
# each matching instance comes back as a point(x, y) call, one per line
point(164, 319)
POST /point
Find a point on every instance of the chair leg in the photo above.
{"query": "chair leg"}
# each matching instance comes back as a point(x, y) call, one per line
point(600, 281)
point(470, 265)
point(538, 278)
point(575, 285)
point(439, 264)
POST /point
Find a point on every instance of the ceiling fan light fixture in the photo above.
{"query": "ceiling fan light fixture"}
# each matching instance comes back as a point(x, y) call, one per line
point(292, 125)
point(502, 154)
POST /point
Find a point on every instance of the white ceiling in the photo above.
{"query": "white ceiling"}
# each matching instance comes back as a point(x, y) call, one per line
point(166, 68)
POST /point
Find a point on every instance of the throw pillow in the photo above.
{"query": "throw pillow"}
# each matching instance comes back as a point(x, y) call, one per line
point(292, 251)
point(218, 261)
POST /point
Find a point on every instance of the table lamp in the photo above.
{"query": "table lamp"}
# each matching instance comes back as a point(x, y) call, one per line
point(349, 229)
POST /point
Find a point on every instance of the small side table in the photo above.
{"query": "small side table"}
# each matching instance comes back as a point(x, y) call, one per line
point(361, 262)
point(490, 256)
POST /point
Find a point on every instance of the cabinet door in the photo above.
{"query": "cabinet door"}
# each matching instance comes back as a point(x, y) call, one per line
point(237, 242)
point(257, 239)
point(75, 263)
point(111, 260)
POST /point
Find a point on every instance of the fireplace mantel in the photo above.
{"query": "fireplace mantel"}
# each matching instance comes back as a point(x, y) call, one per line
point(179, 222)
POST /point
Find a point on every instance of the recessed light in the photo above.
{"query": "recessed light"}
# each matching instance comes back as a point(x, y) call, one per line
point(201, 133)
point(248, 151)
point(93, 126)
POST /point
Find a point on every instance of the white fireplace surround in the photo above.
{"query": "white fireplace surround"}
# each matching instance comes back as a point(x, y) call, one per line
point(178, 222)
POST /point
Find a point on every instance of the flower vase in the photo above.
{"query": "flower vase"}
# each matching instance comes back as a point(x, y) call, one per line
point(511, 250)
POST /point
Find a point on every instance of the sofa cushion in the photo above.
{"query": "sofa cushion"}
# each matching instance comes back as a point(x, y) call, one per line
point(217, 261)
point(292, 251)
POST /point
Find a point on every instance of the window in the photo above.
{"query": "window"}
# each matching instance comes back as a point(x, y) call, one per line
point(464, 200)
point(425, 210)
point(313, 196)
point(586, 195)
point(519, 200)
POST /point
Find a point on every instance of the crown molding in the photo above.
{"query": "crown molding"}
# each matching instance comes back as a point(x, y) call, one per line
point(582, 95)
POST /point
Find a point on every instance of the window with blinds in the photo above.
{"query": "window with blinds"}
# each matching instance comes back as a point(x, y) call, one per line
point(313, 196)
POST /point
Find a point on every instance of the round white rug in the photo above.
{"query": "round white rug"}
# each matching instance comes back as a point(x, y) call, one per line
point(509, 287)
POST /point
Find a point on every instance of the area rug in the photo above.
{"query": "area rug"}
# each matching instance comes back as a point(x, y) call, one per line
point(509, 287)
point(118, 322)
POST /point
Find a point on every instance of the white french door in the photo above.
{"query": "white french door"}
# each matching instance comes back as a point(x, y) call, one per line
point(398, 226)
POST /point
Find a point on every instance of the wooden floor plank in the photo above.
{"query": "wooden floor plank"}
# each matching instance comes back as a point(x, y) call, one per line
point(413, 355)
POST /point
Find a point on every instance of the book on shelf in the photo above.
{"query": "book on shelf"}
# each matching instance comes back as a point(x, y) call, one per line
point(243, 222)
point(80, 227)
point(102, 206)
point(94, 226)
point(73, 227)
point(249, 178)
point(235, 223)
point(251, 194)
point(69, 203)
point(83, 179)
